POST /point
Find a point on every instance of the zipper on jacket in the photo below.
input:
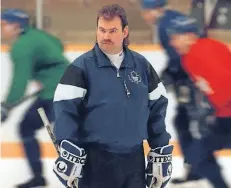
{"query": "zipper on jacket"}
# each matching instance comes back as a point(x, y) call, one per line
point(126, 89)
point(118, 73)
point(128, 93)
point(117, 70)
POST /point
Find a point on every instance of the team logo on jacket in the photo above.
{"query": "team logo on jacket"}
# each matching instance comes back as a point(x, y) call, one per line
point(134, 77)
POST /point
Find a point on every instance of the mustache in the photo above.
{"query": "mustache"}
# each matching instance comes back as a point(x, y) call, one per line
point(107, 41)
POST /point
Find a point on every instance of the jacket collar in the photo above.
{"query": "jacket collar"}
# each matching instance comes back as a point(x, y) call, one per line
point(103, 61)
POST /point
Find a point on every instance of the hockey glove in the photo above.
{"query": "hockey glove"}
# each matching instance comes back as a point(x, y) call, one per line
point(159, 168)
point(4, 112)
point(69, 164)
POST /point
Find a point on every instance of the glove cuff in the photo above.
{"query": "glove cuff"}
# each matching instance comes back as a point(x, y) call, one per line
point(71, 152)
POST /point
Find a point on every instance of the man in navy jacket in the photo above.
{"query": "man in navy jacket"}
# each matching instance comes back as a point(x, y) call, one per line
point(108, 101)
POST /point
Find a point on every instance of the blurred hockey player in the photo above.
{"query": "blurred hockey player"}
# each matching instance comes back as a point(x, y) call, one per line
point(38, 56)
point(208, 63)
point(189, 110)
point(108, 101)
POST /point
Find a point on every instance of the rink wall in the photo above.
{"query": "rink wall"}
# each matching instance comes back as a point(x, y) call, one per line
point(10, 141)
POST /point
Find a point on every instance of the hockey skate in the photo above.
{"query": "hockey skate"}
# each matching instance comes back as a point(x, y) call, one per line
point(190, 180)
point(37, 182)
point(189, 177)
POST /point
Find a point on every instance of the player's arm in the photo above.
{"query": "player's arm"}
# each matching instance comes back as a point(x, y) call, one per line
point(158, 102)
point(68, 99)
point(160, 156)
point(22, 72)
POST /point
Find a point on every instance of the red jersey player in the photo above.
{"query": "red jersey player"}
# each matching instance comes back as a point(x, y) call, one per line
point(208, 63)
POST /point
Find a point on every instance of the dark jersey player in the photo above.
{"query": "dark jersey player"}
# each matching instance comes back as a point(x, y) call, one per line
point(208, 63)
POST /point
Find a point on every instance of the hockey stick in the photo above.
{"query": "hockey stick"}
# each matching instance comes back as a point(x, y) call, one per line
point(47, 124)
point(6, 108)
point(23, 99)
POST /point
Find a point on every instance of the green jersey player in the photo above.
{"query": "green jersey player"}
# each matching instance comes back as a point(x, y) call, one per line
point(35, 55)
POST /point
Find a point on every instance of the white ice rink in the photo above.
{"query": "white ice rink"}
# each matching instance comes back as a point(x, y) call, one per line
point(14, 171)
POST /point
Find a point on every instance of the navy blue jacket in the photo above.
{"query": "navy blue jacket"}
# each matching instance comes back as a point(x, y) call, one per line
point(95, 103)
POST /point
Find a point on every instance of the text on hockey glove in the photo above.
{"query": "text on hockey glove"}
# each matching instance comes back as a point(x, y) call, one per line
point(70, 162)
point(159, 168)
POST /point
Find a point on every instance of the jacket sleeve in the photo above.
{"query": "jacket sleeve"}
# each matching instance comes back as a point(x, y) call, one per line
point(68, 101)
point(158, 102)
point(22, 72)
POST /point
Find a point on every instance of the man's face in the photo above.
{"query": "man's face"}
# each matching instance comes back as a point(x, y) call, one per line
point(150, 16)
point(8, 30)
point(110, 35)
point(181, 42)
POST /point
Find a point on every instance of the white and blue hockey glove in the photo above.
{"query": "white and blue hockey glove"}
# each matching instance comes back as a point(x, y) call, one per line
point(69, 164)
point(159, 168)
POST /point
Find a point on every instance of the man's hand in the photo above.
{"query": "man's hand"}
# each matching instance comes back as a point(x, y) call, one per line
point(69, 164)
point(159, 168)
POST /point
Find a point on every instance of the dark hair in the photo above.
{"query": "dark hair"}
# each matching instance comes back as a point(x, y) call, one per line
point(111, 11)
